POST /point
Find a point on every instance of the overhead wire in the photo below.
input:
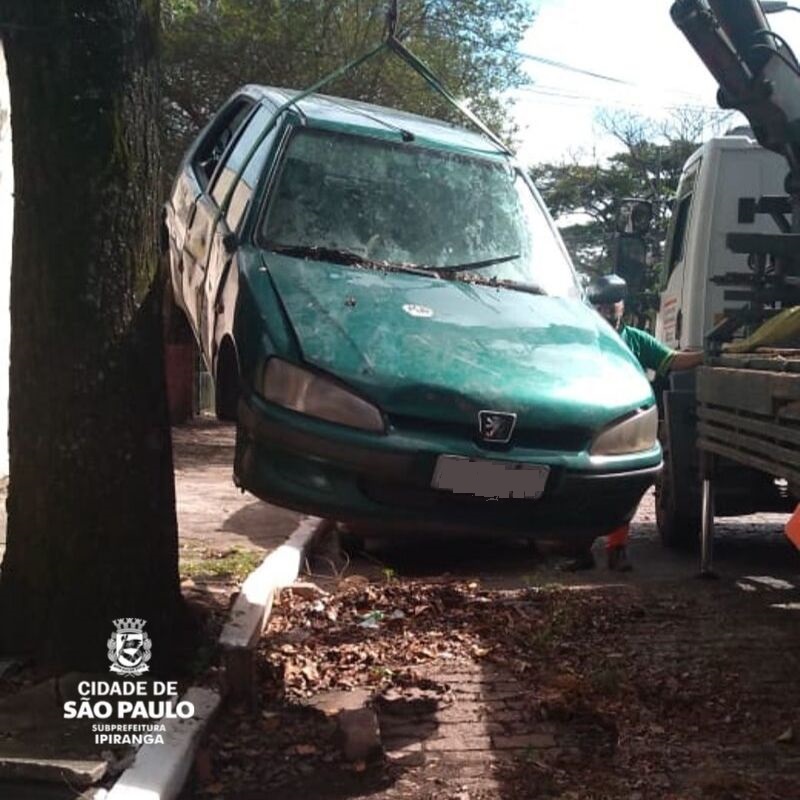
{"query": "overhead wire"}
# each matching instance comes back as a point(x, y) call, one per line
point(589, 73)
point(564, 66)
point(556, 94)
point(568, 67)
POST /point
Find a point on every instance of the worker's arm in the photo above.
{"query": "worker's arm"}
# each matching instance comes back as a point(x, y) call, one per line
point(649, 352)
point(688, 359)
point(656, 356)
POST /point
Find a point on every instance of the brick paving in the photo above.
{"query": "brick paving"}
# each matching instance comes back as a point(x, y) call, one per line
point(490, 735)
point(482, 724)
point(485, 730)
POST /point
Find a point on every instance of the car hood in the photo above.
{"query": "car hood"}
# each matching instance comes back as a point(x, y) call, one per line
point(443, 350)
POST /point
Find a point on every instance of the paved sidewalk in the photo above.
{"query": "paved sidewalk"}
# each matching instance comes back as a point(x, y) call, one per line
point(214, 516)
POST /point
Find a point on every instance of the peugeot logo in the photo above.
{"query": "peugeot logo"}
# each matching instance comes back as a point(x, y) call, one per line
point(496, 426)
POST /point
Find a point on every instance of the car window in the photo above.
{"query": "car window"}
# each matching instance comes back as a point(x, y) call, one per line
point(414, 205)
point(221, 134)
point(234, 162)
point(678, 233)
point(679, 223)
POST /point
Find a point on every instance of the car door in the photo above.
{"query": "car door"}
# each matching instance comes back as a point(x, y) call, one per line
point(223, 237)
point(203, 165)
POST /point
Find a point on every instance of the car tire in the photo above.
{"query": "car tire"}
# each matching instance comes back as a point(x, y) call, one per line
point(351, 540)
point(677, 518)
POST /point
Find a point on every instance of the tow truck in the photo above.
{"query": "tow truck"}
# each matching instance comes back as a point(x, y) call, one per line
point(739, 418)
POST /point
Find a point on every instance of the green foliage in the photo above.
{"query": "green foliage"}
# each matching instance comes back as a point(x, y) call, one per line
point(588, 192)
point(211, 47)
point(648, 166)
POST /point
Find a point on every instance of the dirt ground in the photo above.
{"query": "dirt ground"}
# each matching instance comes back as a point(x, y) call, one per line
point(493, 675)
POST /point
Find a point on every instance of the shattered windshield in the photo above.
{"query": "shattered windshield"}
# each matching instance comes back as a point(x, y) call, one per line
point(410, 205)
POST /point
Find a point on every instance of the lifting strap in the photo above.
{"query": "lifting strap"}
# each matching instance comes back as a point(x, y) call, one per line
point(392, 43)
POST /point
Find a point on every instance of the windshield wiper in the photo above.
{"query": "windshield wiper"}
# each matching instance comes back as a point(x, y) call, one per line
point(517, 286)
point(487, 262)
point(350, 258)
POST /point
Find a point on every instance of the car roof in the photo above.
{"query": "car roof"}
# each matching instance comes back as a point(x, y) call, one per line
point(339, 113)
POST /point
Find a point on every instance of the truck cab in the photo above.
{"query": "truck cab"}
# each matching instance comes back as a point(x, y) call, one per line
point(716, 178)
point(706, 208)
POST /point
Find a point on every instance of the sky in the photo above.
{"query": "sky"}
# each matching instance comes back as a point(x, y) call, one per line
point(630, 40)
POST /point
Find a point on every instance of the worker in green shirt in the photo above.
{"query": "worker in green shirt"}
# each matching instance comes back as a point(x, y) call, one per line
point(655, 356)
point(650, 353)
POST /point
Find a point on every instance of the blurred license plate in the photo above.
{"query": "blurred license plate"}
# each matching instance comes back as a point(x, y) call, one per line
point(504, 479)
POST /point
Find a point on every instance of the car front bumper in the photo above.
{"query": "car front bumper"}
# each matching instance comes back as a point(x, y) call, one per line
point(332, 472)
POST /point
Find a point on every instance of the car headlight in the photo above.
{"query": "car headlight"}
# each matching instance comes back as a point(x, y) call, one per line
point(307, 393)
point(632, 435)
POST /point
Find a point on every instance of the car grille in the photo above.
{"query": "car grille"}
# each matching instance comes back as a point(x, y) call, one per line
point(563, 438)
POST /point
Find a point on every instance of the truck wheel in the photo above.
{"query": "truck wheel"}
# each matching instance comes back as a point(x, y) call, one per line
point(677, 518)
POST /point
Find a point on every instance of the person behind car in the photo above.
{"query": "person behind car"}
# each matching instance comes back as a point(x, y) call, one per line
point(652, 355)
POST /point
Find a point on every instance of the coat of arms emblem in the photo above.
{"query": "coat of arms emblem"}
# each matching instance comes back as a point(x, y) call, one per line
point(129, 647)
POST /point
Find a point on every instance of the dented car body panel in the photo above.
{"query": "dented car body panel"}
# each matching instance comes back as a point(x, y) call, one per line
point(396, 304)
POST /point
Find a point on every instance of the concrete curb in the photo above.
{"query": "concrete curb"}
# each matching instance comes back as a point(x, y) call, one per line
point(159, 771)
point(280, 568)
point(253, 606)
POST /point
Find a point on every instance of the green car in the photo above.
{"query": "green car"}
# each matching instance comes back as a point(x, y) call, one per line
point(392, 319)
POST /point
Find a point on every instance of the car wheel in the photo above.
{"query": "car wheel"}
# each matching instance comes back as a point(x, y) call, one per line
point(351, 540)
point(677, 518)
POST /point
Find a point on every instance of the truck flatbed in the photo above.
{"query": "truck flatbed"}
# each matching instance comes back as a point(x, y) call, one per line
point(748, 409)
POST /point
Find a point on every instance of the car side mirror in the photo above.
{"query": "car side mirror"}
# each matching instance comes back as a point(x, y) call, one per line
point(606, 290)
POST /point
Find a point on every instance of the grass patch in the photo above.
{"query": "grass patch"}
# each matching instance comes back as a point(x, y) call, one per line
point(236, 564)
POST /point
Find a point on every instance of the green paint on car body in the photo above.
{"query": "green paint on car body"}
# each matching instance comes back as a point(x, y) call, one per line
point(552, 361)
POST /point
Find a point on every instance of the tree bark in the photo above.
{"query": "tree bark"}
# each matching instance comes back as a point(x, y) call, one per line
point(92, 532)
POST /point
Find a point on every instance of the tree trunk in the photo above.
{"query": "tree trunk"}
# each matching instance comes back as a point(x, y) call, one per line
point(92, 532)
